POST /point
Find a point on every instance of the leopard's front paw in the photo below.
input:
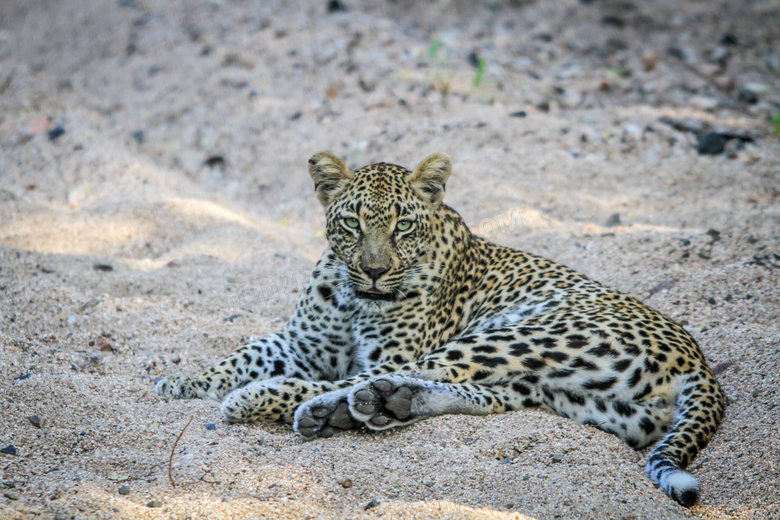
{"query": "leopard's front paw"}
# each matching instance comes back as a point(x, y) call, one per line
point(324, 416)
point(385, 402)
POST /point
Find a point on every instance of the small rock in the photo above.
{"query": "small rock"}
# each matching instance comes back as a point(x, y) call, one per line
point(719, 55)
point(728, 39)
point(710, 69)
point(34, 420)
point(710, 143)
point(9, 450)
point(704, 254)
point(711, 300)
point(210, 426)
point(56, 132)
point(747, 95)
point(103, 267)
point(371, 504)
point(728, 298)
point(22, 377)
point(335, 6)
point(649, 61)
point(519, 113)
point(724, 82)
point(154, 503)
point(613, 220)
point(48, 268)
point(11, 496)
point(215, 161)
point(138, 136)
point(124, 490)
point(721, 367)
point(556, 459)
point(473, 59)
point(345, 483)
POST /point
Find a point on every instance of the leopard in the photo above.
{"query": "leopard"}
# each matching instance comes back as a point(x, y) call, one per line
point(409, 315)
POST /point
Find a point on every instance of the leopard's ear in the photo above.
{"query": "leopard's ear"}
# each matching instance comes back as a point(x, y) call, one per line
point(430, 176)
point(330, 175)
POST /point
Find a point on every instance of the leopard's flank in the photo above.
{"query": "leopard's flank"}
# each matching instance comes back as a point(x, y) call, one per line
point(409, 315)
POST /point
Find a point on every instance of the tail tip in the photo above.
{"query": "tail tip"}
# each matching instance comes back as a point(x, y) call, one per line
point(682, 487)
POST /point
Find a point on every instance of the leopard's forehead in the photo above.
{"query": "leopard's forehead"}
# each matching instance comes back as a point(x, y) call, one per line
point(380, 188)
point(380, 181)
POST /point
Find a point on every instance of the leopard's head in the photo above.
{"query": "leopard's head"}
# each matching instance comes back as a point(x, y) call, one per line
point(380, 219)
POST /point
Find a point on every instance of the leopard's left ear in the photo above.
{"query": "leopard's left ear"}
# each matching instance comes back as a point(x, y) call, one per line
point(330, 176)
point(430, 176)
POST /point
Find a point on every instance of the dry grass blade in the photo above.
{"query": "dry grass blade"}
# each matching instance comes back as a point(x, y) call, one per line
point(173, 449)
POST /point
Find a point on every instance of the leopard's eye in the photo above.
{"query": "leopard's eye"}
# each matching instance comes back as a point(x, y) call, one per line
point(403, 225)
point(352, 222)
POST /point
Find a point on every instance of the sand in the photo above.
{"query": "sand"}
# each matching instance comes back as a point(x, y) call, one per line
point(174, 219)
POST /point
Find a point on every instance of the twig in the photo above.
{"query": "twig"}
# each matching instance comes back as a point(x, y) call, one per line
point(170, 460)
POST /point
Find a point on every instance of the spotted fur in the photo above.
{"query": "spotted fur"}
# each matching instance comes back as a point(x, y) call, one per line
point(409, 315)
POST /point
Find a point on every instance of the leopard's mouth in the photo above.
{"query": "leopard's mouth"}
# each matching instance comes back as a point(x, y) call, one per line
point(376, 295)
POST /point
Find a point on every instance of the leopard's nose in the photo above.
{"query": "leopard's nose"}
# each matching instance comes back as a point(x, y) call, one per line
point(373, 272)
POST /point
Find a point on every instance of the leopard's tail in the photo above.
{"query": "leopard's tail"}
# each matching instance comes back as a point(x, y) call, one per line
point(698, 412)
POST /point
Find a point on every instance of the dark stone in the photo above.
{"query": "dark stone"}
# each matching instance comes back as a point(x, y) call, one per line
point(747, 95)
point(9, 450)
point(473, 59)
point(335, 6)
point(728, 39)
point(371, 504)
point(106, 268)
point(210, 426)
point(711, 143)
point(138, 136)
point(56, 132)
point(215, 161)
point(519, 113)
point(613, 220)
point(34, 420)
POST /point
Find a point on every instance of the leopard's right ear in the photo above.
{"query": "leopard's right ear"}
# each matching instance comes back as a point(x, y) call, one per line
point(330, 176)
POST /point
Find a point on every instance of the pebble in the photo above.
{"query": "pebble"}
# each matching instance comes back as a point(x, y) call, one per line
point(371, 504)
point(48, 268)
point(519, 113)
point(613, 220)
point(124, 490)
point(210, 426)
point(747, 95)
point(154, 503)
point(345, 483)
point(710, 143)
point(9, 450)
point(56, 132)
point(336, 6)
point(11, 496)
point(138, 136)
point(711, 300)
point(728, 39)
point(34, 420)
point(649, 61)
point(103, 267)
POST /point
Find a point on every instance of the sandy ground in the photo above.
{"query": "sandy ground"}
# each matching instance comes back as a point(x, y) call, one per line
point(174, 219)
